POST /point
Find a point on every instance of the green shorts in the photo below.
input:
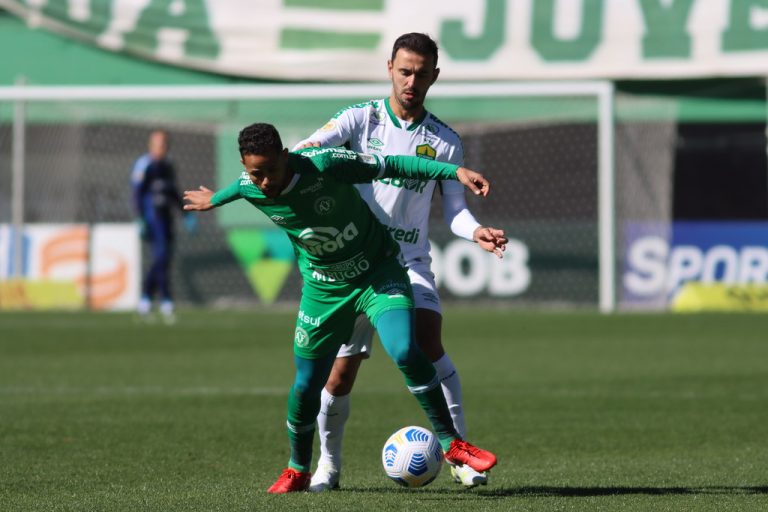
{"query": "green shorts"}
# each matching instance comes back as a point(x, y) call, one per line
point(327, 312)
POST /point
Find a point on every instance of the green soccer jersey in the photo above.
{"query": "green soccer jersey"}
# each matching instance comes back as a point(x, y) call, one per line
point(336, 237)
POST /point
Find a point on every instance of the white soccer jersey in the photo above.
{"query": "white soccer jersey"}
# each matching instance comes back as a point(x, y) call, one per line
point(401, 205)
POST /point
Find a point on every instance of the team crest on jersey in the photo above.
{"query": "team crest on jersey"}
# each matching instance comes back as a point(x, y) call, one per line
point(375, 144)
point(426, 151)
point(329, 126)
point(431, 128)
point(301, 337)
point(324, 205)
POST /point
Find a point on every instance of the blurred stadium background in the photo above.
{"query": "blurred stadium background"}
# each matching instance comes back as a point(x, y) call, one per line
point(687, 155)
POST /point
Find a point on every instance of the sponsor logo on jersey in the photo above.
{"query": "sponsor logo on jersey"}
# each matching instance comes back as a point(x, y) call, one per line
point(375, 144)
point(426, 151)
point(347, 155)
point(412, 184)
point(326, 240)
point(342, 271)
point(401, 235)
point(278, 219)
point(309, 320)
point(335, 153)
point(366, 159)
point(313, 187)
point(301, 337)
point(245, 179)
point(324, 205)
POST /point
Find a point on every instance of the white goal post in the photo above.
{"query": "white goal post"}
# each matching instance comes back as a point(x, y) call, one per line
point(601, 91)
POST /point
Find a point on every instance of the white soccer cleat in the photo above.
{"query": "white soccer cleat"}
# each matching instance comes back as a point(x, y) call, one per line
point(326, 478)
point(468, 477)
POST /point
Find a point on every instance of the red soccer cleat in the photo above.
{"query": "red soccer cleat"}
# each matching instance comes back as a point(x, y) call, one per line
point(291, 481)
point(462, 452)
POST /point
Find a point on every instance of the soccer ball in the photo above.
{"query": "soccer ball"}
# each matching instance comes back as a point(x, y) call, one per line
point(412, 457)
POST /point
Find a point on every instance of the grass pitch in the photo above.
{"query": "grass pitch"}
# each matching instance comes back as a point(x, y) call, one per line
point(585, 412)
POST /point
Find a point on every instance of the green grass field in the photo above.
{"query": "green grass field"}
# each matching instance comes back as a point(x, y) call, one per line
point(585, 412)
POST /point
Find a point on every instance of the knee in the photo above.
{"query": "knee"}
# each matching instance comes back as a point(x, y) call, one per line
point(405, 353)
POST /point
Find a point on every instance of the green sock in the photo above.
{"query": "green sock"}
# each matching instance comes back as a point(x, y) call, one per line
point(301, 448)
point(433, 404)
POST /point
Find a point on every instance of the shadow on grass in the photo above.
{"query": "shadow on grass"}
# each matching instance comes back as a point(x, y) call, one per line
point(553, 491)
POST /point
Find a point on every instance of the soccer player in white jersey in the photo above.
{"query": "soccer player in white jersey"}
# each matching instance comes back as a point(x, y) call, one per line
point(400, 125)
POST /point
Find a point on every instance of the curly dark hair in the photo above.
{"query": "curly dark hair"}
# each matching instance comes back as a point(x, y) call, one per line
point(416, 42)
point(258, 139)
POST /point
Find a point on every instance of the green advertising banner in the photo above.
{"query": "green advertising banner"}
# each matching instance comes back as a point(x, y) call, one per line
point(490, 39)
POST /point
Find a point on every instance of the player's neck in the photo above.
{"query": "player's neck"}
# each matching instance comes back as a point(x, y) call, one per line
point(410, 115)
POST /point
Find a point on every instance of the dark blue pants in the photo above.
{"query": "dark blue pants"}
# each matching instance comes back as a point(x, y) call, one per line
point(160, 237)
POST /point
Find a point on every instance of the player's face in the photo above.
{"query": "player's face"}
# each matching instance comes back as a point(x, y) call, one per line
point(412, 75)
point(268, 172)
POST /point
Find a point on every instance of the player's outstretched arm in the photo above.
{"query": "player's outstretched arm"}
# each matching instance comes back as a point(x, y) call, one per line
point(491, 239)
point(474, 181)
point(198, 200)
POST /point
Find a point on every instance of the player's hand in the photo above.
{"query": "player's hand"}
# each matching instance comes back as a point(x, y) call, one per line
point(474, 181)
point(308, 144)
point(198, 200)
point(491, 240)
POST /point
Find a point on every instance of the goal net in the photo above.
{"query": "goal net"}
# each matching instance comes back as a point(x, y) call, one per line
point(67, 225)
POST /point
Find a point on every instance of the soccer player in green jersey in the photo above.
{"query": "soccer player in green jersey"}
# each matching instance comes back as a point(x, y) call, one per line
point(348, 262)
point(401, 125)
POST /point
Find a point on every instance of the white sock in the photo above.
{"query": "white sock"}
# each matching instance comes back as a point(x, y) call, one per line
point(334, 412)
point(449, 381)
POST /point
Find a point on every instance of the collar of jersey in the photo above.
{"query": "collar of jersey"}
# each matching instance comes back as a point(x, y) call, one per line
point(396, 121)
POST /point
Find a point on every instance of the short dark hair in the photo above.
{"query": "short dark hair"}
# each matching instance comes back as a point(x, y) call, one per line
point(258, 139)
point(416, 42)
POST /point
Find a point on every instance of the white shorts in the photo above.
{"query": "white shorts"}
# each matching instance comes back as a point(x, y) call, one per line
point(425, 296)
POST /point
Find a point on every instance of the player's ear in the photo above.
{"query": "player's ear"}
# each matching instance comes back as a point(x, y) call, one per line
point(389, 67)
point(435, 74)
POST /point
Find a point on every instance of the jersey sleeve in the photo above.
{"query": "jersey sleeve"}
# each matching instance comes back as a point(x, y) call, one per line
point(352, 167)
point(227, 194)
point(337, 131)
point(345, 165)
point(416, 167)
point(455, 156)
